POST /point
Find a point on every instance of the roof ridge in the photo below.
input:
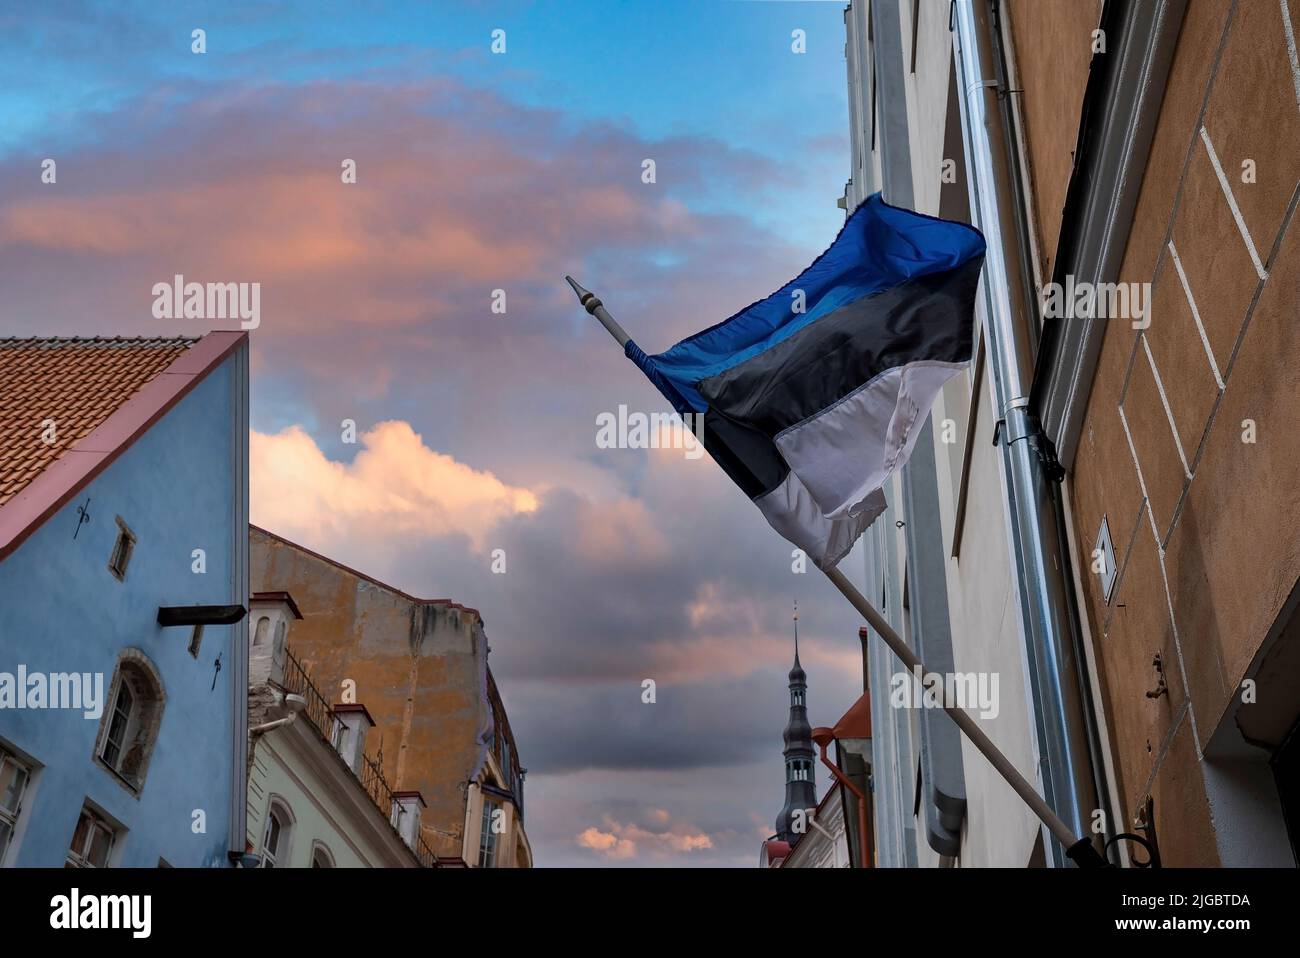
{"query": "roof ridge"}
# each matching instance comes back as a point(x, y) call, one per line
point(96, 340)
point(103, 399)
point(414, 599)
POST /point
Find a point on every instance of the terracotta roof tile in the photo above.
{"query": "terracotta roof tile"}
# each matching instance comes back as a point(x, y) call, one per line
point(78, 383)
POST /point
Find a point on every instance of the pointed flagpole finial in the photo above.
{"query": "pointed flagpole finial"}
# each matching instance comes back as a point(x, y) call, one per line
point(592, 304)
point(586, 297)
point(576, 288)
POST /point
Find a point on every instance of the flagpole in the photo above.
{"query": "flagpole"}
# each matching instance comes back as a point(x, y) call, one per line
point(1081, 850)
point(964, 721)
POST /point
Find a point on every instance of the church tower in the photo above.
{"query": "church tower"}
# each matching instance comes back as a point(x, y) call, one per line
point(800, 783)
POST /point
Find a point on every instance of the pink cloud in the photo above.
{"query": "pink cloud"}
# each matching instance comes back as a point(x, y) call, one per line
point(618, 840)
point(394, 484)
point(607, 844)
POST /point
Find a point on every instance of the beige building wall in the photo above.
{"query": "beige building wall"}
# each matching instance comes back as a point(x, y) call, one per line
point(1052, 43)
point(1203, 519)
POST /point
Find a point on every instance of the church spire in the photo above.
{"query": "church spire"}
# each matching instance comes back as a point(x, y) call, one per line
point(800, 781)
point(796, 631)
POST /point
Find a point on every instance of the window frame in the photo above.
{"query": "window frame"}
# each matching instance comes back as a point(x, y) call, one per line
point(279, 813)
point(99, 822)
point(119, 560)
point(139, 733)
point(129, 723)
point(487, 839)
point(11, 818)
point(320, 850)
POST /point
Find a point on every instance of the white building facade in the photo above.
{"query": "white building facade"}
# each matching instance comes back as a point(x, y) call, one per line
point(940, 563)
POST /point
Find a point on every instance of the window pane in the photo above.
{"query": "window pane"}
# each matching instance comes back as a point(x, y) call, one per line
point(101, 842)
point(80, 837)
point(273, 834)
point(124, 699)
point(13, 778)
point(114, 741)
point(486, 840)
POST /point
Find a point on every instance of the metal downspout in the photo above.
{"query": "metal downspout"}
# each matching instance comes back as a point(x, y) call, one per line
point(866, 847)
point(1010, 327)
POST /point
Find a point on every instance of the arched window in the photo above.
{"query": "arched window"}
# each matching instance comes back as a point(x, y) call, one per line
point(129, 726)
point(277, 835)
point(263, 627)
point(321, 857)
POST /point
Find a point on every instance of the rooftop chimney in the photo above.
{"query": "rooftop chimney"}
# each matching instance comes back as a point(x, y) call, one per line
point(406, 815)
point(350, 738)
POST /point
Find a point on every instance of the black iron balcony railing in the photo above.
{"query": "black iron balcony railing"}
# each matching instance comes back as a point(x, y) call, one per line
point(319, 712)
point(321, 715)
point(423, 852)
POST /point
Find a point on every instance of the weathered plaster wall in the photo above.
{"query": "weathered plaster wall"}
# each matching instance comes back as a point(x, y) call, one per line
point(416, 666)
point(62, 610)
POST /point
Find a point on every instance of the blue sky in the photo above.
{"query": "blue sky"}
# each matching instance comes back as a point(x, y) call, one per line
point(477, 172)
point(721, 69)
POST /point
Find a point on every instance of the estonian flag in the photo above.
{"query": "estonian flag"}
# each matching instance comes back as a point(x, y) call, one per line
point(815, 395)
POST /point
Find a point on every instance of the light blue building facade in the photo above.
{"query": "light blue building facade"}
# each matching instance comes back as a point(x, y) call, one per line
point(151, 770)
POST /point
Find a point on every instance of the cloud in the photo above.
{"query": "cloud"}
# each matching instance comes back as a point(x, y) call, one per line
point(606, 844)
point(395, 483)
point(626, 840)
point(476, 430)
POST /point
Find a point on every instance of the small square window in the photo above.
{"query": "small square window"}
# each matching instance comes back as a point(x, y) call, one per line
point(122, 550)
point(92, 842)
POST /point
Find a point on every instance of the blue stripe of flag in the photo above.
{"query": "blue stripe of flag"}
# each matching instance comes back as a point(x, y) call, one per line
point(879, 247)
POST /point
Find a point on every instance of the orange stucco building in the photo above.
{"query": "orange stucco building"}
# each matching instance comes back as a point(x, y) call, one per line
point(420, 667)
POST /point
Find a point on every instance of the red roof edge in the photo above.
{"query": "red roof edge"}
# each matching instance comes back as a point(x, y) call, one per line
point(774, 848)
point(62, 479)
point(856, 722)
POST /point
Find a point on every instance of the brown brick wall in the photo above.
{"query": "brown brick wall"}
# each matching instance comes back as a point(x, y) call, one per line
point(1204, 524)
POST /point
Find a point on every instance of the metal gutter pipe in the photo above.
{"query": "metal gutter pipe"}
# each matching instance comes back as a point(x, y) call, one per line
point(1029, 462)
point(823, 737)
